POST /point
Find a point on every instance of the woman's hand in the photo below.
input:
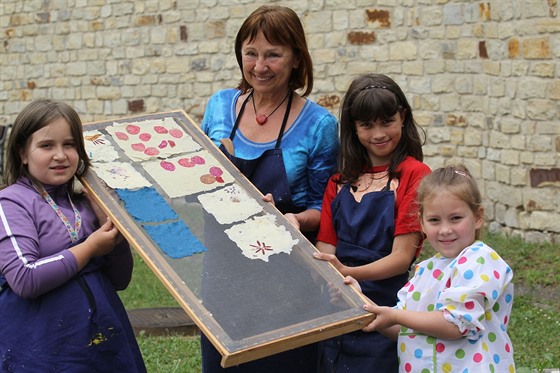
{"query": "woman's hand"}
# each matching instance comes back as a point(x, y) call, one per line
point(293, 220)
point(289, 216)
point(268, 198)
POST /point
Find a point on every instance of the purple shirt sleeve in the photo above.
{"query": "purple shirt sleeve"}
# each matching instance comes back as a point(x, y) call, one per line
point(33, 242)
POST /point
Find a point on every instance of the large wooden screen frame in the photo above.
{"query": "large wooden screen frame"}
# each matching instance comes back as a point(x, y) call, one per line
point(348, 318)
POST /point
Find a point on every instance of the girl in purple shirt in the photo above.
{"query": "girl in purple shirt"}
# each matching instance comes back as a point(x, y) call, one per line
point(59, 269)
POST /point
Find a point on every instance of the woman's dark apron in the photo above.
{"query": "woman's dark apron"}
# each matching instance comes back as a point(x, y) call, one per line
point(365, 233)
point(268, 174)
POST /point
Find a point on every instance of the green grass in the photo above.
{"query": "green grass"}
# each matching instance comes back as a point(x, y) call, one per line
point(166, 354)
point(170, 354)
point(534, 326)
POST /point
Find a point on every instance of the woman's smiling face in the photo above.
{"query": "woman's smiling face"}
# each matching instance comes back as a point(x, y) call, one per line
point(267, 67)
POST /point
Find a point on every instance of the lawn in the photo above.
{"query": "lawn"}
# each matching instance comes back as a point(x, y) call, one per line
point(534, 327)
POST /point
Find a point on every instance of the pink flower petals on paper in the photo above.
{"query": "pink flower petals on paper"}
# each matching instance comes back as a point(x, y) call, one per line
point(160, 138)
point(198, 160)
point(215, 175)
point(133, 129)
point(177, 133)
point(160, 129)
point(216, 171)
point(151, 151)
point(145, 137)
point(139, 147)
point(168, 166)
point(121, 136)
point(185, 162)
point(197, 172)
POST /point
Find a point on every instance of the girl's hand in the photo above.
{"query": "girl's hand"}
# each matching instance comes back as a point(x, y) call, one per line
point(335, 294)
point(103, 240)
point(332, 259)
point(349, 280)
point(386, 317)
point(99, 243)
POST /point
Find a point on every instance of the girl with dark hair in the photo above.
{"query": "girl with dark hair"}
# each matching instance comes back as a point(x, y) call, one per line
point(369, 228)
point(59, 269)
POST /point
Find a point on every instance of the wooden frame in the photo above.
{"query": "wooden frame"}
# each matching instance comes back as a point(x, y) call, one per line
point(292, 308)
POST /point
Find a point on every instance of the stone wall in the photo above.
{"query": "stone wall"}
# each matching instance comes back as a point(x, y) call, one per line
point(482, 76)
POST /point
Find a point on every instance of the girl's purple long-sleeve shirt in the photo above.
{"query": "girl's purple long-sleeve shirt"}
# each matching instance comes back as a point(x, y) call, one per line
point(34, 257)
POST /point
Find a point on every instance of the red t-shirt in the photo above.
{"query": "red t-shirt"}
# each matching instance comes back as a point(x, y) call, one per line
point(406, 218)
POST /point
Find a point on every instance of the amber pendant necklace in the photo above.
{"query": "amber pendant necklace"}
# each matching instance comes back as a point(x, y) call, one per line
point(261, 118)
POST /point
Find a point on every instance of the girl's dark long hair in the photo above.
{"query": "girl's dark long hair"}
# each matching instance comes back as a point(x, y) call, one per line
point(369, 98)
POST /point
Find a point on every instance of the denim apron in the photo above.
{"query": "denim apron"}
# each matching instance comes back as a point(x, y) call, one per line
point(268, 174)
point(365, 232)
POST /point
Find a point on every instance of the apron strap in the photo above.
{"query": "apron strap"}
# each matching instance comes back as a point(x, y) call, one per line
point(284, 121)
point(234, 129)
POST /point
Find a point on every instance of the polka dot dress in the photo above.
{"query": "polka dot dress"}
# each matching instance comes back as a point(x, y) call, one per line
point(475, 292)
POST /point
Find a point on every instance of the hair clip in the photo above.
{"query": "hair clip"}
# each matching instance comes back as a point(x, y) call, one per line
point(81, 167)
point(374, 86)
point(462, 173)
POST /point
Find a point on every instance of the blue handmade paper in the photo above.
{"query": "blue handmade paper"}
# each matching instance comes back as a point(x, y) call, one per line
point(146, 205)
point(175, 239)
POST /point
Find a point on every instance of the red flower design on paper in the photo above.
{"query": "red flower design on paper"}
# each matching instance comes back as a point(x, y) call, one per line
point(261, 247)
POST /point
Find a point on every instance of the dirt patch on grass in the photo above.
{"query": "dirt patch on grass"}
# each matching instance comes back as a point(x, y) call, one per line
point(548, 297)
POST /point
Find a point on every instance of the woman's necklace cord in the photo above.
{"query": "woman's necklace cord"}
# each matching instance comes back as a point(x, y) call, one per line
point(261, 118)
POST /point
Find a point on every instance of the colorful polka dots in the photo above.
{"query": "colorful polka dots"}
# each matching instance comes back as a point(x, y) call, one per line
point(475, 293)
point(477, 358)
